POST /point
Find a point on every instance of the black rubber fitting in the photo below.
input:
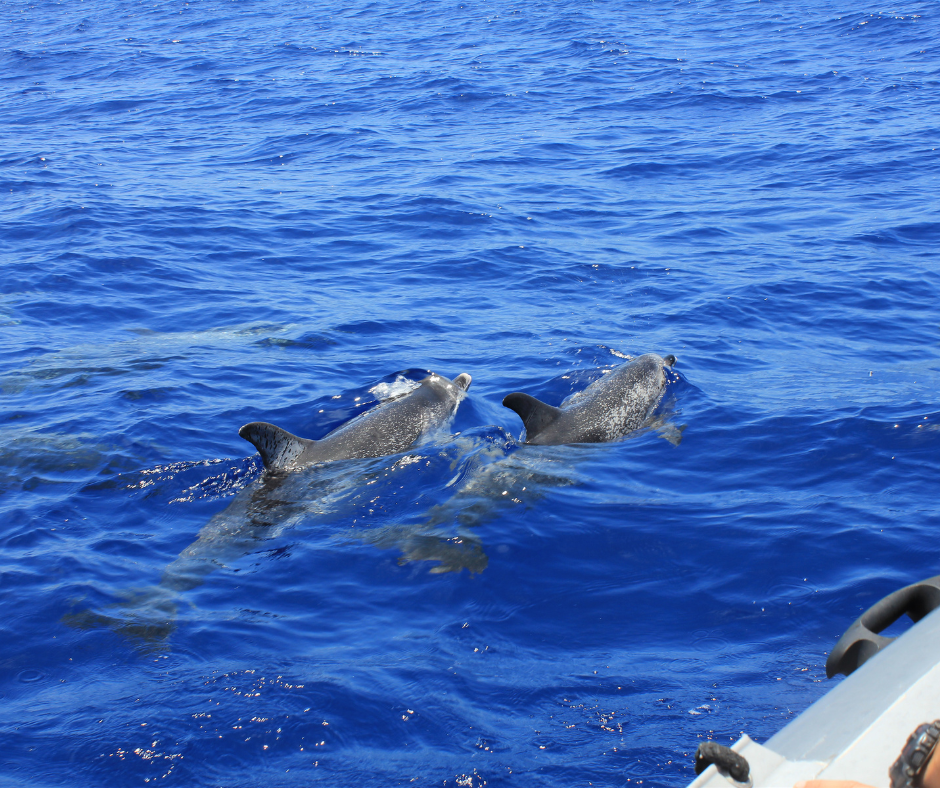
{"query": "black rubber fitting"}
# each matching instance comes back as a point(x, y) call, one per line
point(726, 759)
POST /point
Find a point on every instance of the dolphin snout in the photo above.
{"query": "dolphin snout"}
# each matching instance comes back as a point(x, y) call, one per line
point(462, 381)
point(669, 360)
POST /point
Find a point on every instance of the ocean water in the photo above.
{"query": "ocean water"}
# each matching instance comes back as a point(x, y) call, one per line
point(219, 212)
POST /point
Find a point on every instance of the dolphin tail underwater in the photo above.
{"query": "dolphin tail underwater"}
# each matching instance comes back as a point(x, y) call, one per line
point(145, 616)
point(608, 409)
point(389, 428)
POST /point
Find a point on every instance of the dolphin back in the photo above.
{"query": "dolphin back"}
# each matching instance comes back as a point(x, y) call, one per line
point(279, 450)
point(608, 409)
point(390, 427)
point(535, 414)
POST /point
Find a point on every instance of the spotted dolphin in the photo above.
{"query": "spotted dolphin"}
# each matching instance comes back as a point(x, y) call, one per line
point(390, 427)
point(606, 410)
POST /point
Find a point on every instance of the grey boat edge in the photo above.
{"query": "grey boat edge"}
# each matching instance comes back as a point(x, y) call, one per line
point(858, 728)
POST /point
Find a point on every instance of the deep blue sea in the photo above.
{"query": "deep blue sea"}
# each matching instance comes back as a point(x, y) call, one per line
point(217, 212)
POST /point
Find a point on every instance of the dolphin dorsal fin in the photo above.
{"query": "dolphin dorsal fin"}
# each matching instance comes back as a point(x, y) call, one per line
point(278, 448)
point(535, 414)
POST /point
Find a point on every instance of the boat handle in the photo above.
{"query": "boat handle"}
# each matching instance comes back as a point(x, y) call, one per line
point(861, 641)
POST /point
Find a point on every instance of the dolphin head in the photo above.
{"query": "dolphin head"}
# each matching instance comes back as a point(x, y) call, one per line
point(446, 389)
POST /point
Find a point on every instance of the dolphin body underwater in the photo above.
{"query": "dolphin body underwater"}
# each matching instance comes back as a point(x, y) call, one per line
point(390, 428)
point(606, 410)
point(279, 498)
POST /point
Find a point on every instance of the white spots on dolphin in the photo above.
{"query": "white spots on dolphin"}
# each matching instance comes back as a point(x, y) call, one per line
point(616, 404)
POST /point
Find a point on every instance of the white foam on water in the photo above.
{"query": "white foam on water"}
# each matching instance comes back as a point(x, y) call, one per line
point(398, 387)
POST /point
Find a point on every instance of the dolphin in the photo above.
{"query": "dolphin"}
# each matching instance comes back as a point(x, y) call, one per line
point(606, 410)
point(389, 428)
point(278, 500)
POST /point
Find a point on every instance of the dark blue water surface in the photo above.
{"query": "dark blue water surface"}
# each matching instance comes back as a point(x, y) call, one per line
point(219, 212)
